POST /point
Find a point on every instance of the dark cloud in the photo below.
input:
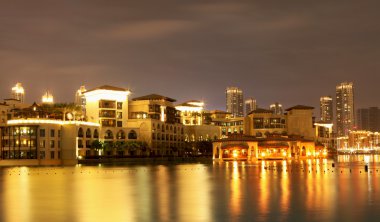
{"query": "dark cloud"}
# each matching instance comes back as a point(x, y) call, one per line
point(292, 52)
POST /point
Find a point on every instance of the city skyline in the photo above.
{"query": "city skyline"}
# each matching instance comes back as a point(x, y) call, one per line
point(274, 51)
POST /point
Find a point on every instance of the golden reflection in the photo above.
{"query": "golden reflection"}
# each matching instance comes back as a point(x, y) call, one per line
point(193, 188)
point(263, 194)
point(285, 190)
point(235, 201)
point(163, 195)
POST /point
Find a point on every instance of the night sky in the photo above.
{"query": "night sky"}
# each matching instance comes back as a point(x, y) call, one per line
point(292, 52)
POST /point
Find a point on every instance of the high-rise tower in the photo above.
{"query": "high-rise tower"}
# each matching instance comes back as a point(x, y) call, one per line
point(18, 92)
point(326, 108)
point(250, 105)
point(345, 116)
point(276, 108)
point(234, 101)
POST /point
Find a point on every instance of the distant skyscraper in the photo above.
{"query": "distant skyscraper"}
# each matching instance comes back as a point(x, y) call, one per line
point(234, 101)
point(345, 117)
point(368, 119)
point(276, 108)
point(250, 105)
point(80, 99)
point(18, 92)
point(326, 108)
point(47, 98)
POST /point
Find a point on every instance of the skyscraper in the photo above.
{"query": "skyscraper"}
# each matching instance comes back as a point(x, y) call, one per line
point(250, 105)
point(276, 108)
point(18, 92)
point(345, 116)
point(326, 103)
point(234, 101)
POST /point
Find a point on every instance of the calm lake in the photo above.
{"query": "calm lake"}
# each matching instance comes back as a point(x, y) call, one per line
point(309, 190)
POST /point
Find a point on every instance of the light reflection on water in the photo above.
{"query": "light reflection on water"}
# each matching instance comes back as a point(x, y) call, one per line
point(311, 190)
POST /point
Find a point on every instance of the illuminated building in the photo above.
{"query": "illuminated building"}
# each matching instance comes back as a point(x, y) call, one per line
point(368, 119)
point(298, 120)
point(234, 101)
point(345, 117)
point(80, 99)
point(240, 147)
point(47, 98)
point(326, 109)
point(18, 92)
point(359, 141)
point(250, 105)
point(276, 108)
point(324, 133)
point(44, 141)
point(191, 112)
point(228, 124)
point(159, 124)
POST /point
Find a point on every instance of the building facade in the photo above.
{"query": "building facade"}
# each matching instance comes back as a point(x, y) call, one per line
point(159, 124)
point(234, 101)
point(326, 109)
point(250, 105)
point(345, 106)
point(276, 108)
point(368, 119)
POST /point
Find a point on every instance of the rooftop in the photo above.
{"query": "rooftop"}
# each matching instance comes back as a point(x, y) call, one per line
point(154, 97)
point(108, 87)
point(302, 107)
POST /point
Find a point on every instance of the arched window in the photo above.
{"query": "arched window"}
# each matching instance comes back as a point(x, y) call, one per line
point(80, 132)
point(120, 135)
point(96, 134)
point(88, 133)
point(167, 127)
point(132, 135)
point(108, 135)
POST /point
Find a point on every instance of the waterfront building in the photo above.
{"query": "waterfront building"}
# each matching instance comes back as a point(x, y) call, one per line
point(159, 124)
point(359, 141)
point(18, 92)
point(234, 101)
point(368, 119)
point(40, 141)
point(250, 105)
point(47, 98)
point(326, 109)
point(274, 146)
point(345, 106)
point(298, 120)
point(276, 108)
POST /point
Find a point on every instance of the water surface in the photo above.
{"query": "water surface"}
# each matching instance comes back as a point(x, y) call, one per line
point(309, 190)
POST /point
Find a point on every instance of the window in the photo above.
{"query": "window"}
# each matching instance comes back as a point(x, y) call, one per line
point(132, 135)
point(42, 155)
point(119, 124)
point(51, 154)
point(42, 132)
point(51, 143)
point(80, 132)
point(119, 105)
point(88, 133)
point(52, 133)
point(119, 115)
point(59, 154)
point(59, 133)
point(59, 144)
point(42, 144)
